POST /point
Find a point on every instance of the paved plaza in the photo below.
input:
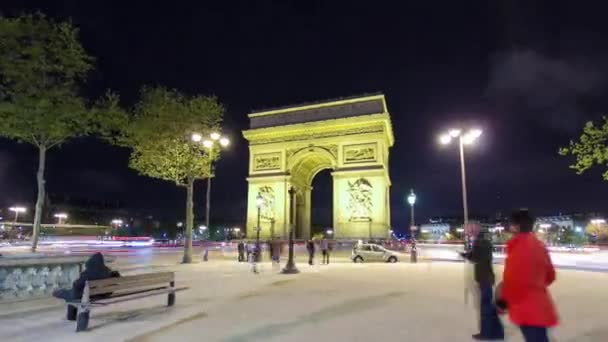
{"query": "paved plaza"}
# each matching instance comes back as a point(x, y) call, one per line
point(339, 302)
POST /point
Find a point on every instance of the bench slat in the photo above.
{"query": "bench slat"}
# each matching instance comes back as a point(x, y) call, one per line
point(126, 286)
point(101, 282)
point(129, 283)
point(136, 295)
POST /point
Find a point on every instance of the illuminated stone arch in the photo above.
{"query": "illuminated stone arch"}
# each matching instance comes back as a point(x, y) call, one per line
point(290, 146)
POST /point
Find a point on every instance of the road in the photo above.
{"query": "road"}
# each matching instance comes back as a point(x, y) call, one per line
point(143, 256)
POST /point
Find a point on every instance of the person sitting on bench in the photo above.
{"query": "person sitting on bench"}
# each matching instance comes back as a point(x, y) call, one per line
point(95, 270)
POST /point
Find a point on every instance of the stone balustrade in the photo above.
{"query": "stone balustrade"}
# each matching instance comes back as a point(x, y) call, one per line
point(24, 277)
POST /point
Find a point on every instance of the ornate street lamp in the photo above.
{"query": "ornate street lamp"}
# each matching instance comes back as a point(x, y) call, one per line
point(411, 199)
point(291, 268)
point(259, 202)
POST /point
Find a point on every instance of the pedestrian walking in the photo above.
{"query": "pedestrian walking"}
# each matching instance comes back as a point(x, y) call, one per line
point(324, 245)
point(248, 251)
point(527, 275)
point(241, 250)
point(310, 247)
point(490, 327)
point(276, 251)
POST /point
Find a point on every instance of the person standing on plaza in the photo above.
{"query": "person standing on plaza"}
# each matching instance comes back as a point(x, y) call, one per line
point(490, 328)
point(310, 247)
point(275, 245)
point(527, 275)
point(241, 250)
point(323, 245)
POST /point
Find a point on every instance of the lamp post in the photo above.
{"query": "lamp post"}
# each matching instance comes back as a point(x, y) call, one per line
point(411, 199)
point(60, 217)
point(290, 267)
point(259, 202)
point(463, 139)
point(467, 138)
point(215, 140)
point(17, 210)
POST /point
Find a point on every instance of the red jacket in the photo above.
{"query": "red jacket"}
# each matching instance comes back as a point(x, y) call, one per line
point(528, 272)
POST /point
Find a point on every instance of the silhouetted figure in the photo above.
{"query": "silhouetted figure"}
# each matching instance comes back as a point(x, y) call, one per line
point(241, 250)
point(95, 269)
point(481, 255)
point(310, 247)
point(324, 245)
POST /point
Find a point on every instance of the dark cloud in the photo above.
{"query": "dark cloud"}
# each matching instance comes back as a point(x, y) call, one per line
point(551, 90)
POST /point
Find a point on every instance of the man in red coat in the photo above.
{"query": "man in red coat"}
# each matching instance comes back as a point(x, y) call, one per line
point(527, 275)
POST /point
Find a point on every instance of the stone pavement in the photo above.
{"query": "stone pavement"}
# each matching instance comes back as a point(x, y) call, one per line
point(339, 302)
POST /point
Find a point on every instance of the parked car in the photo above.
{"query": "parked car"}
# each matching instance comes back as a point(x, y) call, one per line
point(370, 252)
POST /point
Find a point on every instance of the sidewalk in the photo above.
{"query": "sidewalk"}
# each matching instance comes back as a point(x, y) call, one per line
point(339, 302)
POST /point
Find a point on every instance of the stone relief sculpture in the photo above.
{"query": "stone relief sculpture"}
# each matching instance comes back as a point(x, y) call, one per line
point(267, 161)
point(267, 209)
point(360, 203)
point(360, 153)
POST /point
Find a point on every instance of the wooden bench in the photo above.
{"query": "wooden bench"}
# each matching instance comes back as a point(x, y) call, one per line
point(122, 289)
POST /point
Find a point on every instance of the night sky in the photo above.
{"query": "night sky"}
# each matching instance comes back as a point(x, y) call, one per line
point(529, 73)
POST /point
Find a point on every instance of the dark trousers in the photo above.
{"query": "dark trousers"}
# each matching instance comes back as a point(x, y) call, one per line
point(534, 334)
point(65, 294)
point(241, 256)
point(311, 256)
point(325, 256)
point(490, 325)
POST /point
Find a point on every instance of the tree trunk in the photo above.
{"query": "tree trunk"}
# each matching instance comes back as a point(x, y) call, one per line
point(189, 222)
point(40, 198)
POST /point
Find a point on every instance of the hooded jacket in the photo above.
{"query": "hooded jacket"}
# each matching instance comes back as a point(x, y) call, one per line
point(95, 269)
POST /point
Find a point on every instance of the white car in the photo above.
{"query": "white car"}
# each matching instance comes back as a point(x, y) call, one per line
point(369, 252)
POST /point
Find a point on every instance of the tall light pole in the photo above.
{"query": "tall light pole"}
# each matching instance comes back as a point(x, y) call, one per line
point(215, 140)
point(60, 217)
point(17, 210)
point(259, 202)
point(467, 138)
point(463, 139)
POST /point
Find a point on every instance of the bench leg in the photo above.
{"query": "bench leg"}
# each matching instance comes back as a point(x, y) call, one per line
point(82, 322)
point(72, 312)
point(171, 299)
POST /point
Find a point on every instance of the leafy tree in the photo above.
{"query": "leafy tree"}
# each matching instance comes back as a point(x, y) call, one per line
point(159, 135)
point(590, 149)
point(42, 66)
point(599, 232)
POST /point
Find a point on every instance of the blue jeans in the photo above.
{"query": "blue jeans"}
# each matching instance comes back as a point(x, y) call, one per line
point(491, 327)
point(534, 334)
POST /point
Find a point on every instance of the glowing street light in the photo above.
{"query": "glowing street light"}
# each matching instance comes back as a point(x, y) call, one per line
point(116, 223)
point(60, 217)
point(329, 232)
point(210, 144)
point(598, 221)
point(467, 138)
point(197, 137)
point(17, 210)
point(411, 199)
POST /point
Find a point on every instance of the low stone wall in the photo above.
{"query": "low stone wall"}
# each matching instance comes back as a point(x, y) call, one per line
point(29, 277)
